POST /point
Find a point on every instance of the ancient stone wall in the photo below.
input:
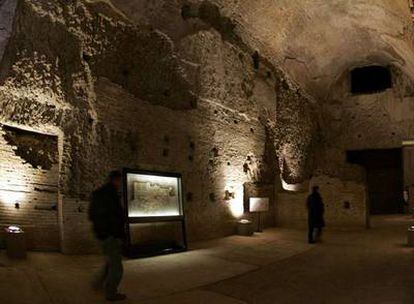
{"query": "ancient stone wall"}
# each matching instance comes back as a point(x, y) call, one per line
point(196, 106)
point(345, 204)
point(380, 120)
point(209, 145)
point(370, 121)
point(200, 88)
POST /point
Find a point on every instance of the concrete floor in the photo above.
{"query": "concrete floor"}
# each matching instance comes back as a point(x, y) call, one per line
point(277, 266)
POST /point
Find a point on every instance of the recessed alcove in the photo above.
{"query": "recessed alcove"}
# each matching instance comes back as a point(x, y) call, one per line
point(384, 178)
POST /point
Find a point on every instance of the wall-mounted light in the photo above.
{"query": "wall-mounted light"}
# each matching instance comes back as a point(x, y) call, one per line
point(14, 229)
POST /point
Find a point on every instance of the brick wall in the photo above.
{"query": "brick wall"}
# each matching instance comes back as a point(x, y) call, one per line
point(28, 192)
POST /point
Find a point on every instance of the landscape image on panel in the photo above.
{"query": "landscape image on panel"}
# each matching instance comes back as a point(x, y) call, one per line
point(151, 195)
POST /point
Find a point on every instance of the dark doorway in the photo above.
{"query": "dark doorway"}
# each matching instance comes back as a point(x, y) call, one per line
point(384, 177)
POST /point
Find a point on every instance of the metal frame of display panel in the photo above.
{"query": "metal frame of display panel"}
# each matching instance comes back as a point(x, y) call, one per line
point(153, 219)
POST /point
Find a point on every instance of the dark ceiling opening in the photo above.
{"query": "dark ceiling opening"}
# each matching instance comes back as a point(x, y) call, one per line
point(370, 79)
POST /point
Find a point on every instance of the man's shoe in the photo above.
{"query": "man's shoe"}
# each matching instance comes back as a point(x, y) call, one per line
point(116, 297)
point(311, 242)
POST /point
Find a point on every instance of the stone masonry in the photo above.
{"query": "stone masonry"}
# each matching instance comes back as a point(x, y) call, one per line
point(234, 96)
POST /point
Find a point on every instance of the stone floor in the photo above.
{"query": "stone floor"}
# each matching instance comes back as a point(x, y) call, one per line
point(277, 266)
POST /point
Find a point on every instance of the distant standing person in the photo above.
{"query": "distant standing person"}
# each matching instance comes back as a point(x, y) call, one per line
point(107, 216)
point(315, 215)
point(406, 198)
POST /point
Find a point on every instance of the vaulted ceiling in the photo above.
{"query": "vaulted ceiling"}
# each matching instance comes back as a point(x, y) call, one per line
point(315, 41)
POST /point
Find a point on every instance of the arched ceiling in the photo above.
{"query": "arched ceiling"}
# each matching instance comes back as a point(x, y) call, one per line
point(315, 41)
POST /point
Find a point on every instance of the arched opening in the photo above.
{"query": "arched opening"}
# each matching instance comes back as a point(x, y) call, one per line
point(384, 179)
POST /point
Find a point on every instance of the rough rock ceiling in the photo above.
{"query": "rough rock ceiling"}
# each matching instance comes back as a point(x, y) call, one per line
point(315, 41)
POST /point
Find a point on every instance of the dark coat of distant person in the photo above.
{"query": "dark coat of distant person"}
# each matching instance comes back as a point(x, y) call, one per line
point(106, 213)
point(315, 210)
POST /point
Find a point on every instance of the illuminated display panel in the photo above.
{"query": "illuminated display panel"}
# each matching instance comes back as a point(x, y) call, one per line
point(155, 221)
point(153, 195)
point(259, 204)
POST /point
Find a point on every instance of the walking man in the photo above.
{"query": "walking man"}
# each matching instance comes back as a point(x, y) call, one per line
point(107, 216)
point(315, 215)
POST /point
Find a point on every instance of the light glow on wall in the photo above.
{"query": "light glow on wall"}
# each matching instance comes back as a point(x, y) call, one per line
point(13, 191)
point(18, 177)
point(13, 185)
point(291, 187)
point(235, 204)
point(408, 142)
point(10, 197)
point(13, 194)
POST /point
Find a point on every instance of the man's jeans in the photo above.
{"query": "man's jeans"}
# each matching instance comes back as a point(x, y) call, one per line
point(111, 273)
point(314, 234)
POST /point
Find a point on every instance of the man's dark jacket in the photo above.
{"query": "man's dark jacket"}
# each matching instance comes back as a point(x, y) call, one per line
point(315, 210)
point(106, 213)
